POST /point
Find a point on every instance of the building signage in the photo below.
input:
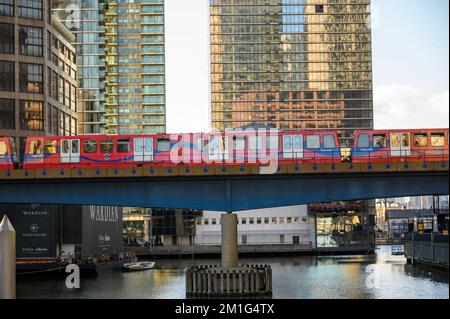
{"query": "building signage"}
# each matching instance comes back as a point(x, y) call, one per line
point(35, 231)
point(102, 230)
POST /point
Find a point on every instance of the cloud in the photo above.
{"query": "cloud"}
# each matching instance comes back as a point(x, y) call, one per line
point(403, 106)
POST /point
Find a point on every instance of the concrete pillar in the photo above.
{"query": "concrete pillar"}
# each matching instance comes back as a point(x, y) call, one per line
point(194, 281)
point(229, 241)
point(7, 260)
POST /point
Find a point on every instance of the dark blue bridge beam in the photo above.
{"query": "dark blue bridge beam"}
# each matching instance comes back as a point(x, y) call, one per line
point(224, 193)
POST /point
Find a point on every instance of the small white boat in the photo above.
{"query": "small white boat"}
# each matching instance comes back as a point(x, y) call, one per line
point(138, 266)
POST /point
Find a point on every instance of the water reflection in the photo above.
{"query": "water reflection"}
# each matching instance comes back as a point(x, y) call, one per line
point(345, 277)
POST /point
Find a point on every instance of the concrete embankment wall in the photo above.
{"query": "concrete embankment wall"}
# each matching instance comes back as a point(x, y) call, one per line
point(429, 249)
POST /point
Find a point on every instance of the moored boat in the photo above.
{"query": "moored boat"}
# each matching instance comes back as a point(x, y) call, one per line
point(138, 266)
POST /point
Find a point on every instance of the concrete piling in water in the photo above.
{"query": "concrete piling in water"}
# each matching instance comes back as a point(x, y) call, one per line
point(230, 278)
point(229, 241)
point(7, 260)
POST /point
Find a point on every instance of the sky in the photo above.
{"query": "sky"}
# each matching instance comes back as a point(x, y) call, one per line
point(410, 64)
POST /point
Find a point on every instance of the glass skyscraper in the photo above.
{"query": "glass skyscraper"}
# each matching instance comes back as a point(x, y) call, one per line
point(135, 64)
point(87, 25)
point(292, 64)
point(120, 45)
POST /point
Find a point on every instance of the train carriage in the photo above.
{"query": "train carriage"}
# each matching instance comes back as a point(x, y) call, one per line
point(236, 147)
point(400, 145)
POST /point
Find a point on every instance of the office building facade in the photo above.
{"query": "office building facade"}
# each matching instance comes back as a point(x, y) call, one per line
point(38, 88)
point(291, 64)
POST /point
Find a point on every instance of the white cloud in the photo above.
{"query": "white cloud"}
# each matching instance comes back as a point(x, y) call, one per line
point(402, 106)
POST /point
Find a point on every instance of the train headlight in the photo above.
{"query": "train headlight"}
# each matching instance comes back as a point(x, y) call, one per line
point(346, 154)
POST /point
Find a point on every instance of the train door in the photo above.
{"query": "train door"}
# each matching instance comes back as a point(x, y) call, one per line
point(143, 149)
point(293, 146)
point(70, 151)
point(400, 144)
point(218, 148)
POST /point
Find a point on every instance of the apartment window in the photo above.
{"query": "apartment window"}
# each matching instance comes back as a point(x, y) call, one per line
point(259, 220)
point(266, 220)
point(31, 115)
point(281, 239)
point(7, 8)
point(199, 221)
point(31, 9)
point(274, 220)
point(281, 220)
point(251, 220)
point(206, 221)
point(289, 220)
point(244, 221)
point(7, 114)
point(54, 85)
point(6, 38)
point(31, 80)
point(30, 40)
point(319, 8)
point(213, 221)
point(6, 76)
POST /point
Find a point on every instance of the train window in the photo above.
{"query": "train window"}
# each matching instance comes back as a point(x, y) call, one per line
point(90, 146)
point(65, 147)
point(437, 139)
point(50, 146)
point(420, 139)
point(405, 140)
point(123, 146)
point(75, 146)
point(272, 142)
point(239, 143)
point(394, 140)
point(106, 146)
point(329, 142)
point(363, 141)
point(287, 142)
point(199, 144)
point(252, 143)
point(379, 140)
point(313, 141)
point(163, 145)
point(3, 148)
point(35, 148)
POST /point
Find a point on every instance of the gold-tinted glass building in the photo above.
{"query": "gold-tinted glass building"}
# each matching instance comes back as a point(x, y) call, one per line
point(292, 64)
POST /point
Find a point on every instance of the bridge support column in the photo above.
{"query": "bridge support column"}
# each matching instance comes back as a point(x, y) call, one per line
point(229, 241)
point(7, 260)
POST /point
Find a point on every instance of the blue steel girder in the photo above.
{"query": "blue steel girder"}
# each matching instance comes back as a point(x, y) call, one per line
point(224, 193)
